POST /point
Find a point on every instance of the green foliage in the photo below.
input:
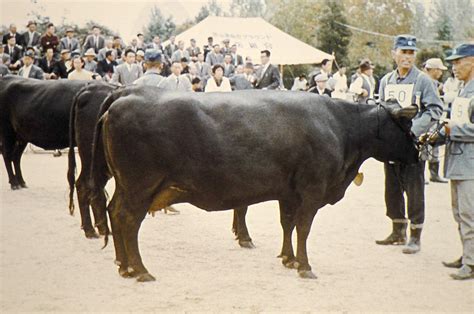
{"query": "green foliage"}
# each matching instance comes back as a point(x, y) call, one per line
point(332, 36)
point(426, 53)
point(247, 8)
point(158, 25)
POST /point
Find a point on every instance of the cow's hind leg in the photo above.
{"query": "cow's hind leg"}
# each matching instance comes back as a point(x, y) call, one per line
point(287, 221)
point(7, 152)
point(17, 154)
point(131, 221)
point(239, 227)
point(98, 204)
point(120, 254)
point(83, 200)
point(304, 220)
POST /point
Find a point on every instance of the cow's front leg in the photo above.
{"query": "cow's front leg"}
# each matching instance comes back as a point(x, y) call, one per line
point(17, 153)
point(240, 228)
point(287, 220)
point(304, 221)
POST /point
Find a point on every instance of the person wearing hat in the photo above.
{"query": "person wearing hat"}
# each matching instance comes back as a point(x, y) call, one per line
point(90, 64)
point(226, 49)
point(364, 85)
point(434, 68)
point(320, 88)
point(459, 158)
point(29, 70)
point(152, 76)
point(408, 85)
point(69, 42)
point(31, 38)
point(64, 65)
point(140, 58)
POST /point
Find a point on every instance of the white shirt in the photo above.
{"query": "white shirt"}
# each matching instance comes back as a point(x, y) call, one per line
point(26, 71)
point(211, 85)
point(340, 86)
point(299, 85)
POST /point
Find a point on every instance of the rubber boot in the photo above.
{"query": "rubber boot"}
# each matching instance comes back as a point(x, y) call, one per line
point(434, 176)
point(414, 244)
point(398, 235)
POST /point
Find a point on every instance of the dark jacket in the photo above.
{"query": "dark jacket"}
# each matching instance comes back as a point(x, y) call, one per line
point(43, 64)
point(270, 79)
point(104, 68)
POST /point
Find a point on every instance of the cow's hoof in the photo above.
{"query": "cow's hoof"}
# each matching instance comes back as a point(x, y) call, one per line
point(146, 277)
point(91, 234)
point(307, 274)
point(15, 187)
point(246, 244)
point(123, 272)
point(103, 230)
point(292, 264)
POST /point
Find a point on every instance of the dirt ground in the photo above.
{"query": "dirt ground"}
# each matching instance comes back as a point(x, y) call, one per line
point(48, 265)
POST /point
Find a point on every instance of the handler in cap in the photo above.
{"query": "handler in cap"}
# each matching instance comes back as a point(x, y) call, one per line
point(409, 86)
point(459, 158)
point(152, 75)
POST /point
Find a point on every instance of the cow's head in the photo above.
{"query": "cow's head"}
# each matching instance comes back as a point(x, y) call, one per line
point(396, 142)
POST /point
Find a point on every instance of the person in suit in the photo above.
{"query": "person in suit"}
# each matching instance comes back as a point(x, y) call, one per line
point(141, 42)
point(226, 49)
point(106, 67)
point(156, 44)
point(69, 42)
point(176, 81)
point(180, 53)
point(108, 46)
point(95, 40)
point(193, 50)
point(118, 46)
point(49, 40)
point(129, 71)
point(14, 51)
point(244, 79)
point(48, 64)
point(64, 66)
point(203, 68)
point(31, 38)
point(215, 57)
point(29, 70)
point(236, 58)
point(229, 68)
point(320, 87)
point(268, 76)
point(171, 47)
point(12, 33)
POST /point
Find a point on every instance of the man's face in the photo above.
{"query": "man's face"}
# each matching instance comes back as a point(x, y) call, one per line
point(240, 69)
point(172, 39)
point(12, 41)
point(70, 34)
point(342, 70)
point(66, 56)
point(193, 43)
point(327, 67)
point(117, 41)
point(248, 71)
point(217, 48)
point(130, 58)
point(27, 61)
point(49, 53)
point(181, 44)
point(369, 72)
point(111, 57)
point(32, 27)
point(463, 68)
point(264, 58)
point(227, 59)
point(90, 58)
point(13, 28)
point(233, 49)
point(404, 58)
point(192, 69)
point(134, 42)
point(141, 38)
point(51, 30)
point(176, 68)
point(435, 74)
point(96, 31)
point(108, 44)
point(157, 40)
point(201, 57)
point(139, 58)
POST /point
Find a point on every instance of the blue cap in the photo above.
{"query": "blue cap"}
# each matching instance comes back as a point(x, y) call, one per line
point(152, 55)
point(405, 42)
point(461, 51)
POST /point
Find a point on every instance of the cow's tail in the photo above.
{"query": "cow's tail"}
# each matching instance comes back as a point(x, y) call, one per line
point(98, 172)
point(71, 172)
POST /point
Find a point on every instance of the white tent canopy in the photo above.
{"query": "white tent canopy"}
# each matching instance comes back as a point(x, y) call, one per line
point(251, 35)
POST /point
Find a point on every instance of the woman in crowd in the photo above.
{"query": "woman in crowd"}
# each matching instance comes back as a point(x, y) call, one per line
point(218, 82)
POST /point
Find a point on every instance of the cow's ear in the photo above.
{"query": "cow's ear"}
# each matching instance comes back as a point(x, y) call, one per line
point(407, 112)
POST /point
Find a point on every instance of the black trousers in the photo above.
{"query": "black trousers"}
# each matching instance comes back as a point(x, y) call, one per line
point(408, 179)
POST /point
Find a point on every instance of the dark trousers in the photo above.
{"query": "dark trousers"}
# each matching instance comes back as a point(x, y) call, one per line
point(409, 179)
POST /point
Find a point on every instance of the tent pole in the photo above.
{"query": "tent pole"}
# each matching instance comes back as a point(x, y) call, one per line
point(281, 76)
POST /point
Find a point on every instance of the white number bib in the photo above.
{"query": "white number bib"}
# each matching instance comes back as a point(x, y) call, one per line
point(460, 110)
point(403, 93)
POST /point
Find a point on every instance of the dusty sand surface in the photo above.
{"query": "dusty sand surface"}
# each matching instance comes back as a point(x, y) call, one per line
point(48, 265)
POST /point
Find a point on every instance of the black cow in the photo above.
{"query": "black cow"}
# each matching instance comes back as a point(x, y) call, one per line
point(33, 111)
point(83, 118)
point(220, 151)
